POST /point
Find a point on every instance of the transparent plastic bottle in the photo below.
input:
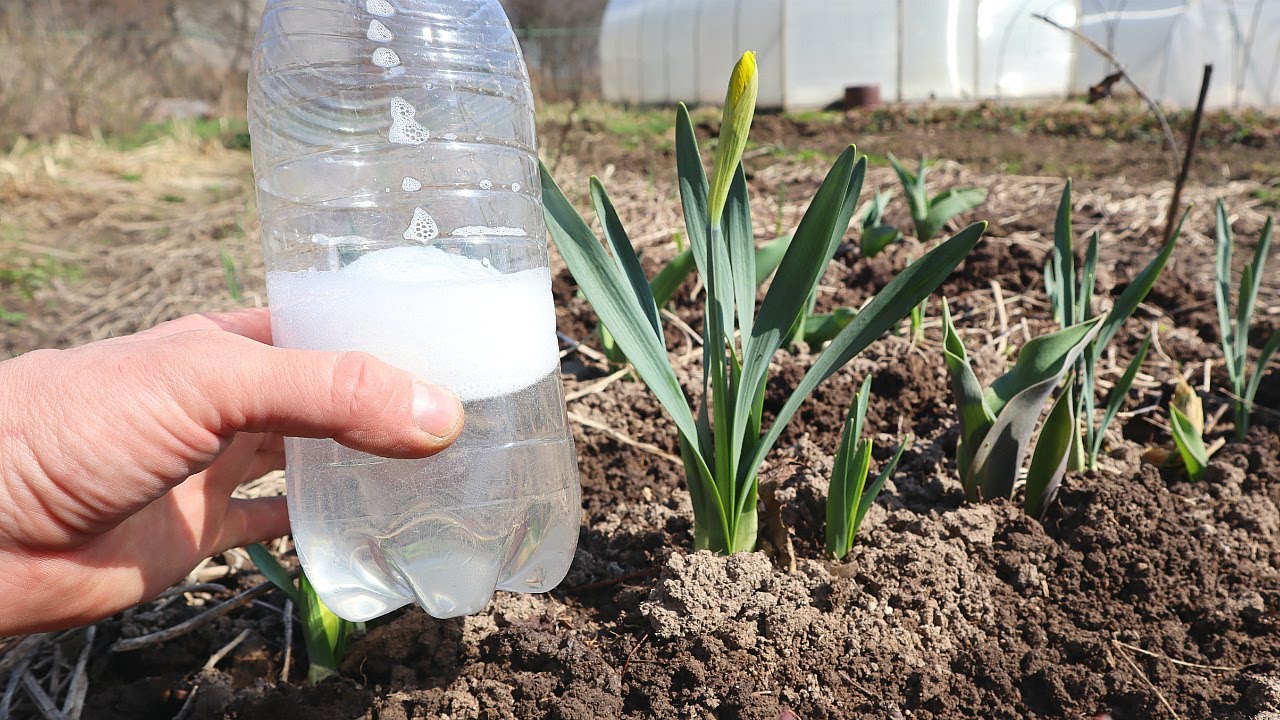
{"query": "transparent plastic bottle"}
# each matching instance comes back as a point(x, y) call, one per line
point(394, 150)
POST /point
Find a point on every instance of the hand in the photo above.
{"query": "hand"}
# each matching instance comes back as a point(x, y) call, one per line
point(118, 459)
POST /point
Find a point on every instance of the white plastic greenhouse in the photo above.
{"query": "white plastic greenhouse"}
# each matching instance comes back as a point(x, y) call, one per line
point(809, 51)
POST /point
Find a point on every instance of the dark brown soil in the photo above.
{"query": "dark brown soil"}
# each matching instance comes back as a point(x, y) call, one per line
point(1140, 595)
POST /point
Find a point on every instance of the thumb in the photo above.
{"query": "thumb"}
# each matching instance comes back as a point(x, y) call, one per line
point(240, 385)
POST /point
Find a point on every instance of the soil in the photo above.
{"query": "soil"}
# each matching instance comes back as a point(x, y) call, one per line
point(1139, 595)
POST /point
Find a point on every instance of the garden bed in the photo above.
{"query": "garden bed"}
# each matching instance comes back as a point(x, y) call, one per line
point(1141, 595)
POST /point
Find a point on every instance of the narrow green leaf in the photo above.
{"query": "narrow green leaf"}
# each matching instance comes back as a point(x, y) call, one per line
point(1259, 371)
point(884, 311)
point(1222, 292)
point(1050, 458)
point(1088, 278)
point(917, 198)
point(624, 255)
point(1189, 443)
point(742, 251)
point(613, 301)
point(872, 491)
point(1047, 357)
point(948, 205)
point(272, 570)
point(1064, 259)
point(844, 477)
point(1116, 399)
point(1247, 302)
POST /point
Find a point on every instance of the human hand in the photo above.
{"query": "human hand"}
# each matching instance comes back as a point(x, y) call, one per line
point(118, 459)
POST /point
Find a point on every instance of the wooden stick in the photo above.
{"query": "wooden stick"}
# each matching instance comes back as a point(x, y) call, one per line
point(215, 658)
point(73, 705)
point(1193, 139)
point(288, 641)
point(43, 702)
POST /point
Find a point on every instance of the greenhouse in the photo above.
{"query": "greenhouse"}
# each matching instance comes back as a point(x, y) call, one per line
point(810, 51)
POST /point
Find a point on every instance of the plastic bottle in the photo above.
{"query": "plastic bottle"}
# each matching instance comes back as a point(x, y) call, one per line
point(394, 150)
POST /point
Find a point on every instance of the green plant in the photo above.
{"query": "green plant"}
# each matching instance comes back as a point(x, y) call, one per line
point(326, 635)
point(876, 236)
point(231, 275)
point(1071, 297)
point(1235, 332)
point(723, 441)
point(996, 425)
point(931, 215)
point(1186, 424)
point(849, 497)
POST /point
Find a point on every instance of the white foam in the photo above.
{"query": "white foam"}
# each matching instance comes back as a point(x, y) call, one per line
point(448, 319)
point(486, 184)
point(484, 231)
point(405, 129)
point(379, 32)
point(381, 8)
point(385, 58)
point(423, 228)
point(515, 187)
point(411, 184)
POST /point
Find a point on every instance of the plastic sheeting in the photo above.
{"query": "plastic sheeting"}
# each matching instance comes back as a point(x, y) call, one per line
point(1165, 43)
point(809, 51)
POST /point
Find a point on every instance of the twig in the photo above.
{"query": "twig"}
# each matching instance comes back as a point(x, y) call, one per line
point(21, 650)
point(11, 689)
point(578, 347)
point(44, 703)
point(1193, 139)
point(215, 658)
point(288, 641)
point(1002, 313)
point(189, 706)
point(1124, 71)
point(1150, 684)
point(627, 663)
point(213, 613)
point(1183, 663)
point(624, 438)
point(73, 705)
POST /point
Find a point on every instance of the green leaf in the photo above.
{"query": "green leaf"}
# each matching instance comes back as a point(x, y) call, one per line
point(1222, 292)
point(913, 187)
point(872, 491)
point(849, 475)
point(946, 206)
point(769, 257)
point(976, 417)
point(624, 255)
point(1249, 284)
point(885, 310)
point(876, 239)
point(822, 329)
point(325, 634)
point(742, 251)
point(1190, 444)
point(272, 570)
point(1088, 278)
point(1049, 460)
point(1017, 398)
point(1116, 399)
point(670, 278)
point(1268, 350)
point(614, 303)
point(1064, 259)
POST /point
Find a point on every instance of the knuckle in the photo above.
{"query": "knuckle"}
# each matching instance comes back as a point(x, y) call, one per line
point(361, 386)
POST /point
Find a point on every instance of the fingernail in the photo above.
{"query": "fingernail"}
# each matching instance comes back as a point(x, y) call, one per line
point(435, 409)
